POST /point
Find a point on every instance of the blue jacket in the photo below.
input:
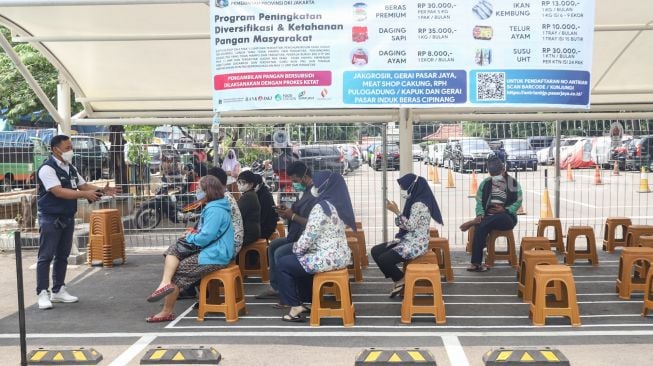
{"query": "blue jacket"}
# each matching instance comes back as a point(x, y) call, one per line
point(215, 233)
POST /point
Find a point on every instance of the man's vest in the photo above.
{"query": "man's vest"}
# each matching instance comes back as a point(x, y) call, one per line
point(48, 203)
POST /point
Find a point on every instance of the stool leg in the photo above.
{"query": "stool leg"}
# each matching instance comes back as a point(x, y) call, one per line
point(202, 309)
point(316, 303)
point(438, 302)
point(539, 302)
point(624, 274)
point(447, 265)
point(230, 300)
point(407, 303)
point(263, 263)
point(346, 305)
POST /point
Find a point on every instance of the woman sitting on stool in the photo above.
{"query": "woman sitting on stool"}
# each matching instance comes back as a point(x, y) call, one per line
point(321, 248)
point(209, 249)
point(413, 237)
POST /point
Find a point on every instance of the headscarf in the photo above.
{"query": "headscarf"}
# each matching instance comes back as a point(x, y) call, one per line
point(229, 164)
point(419, 191)
point(332, 188)
point(248, 176)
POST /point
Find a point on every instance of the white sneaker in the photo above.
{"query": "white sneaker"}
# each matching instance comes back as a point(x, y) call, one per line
point(63, 296)
point(44, 300)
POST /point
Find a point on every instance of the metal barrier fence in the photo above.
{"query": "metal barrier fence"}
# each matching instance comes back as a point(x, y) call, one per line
point(152, 157)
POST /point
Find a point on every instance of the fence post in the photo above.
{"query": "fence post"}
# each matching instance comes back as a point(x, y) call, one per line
point(21, 298)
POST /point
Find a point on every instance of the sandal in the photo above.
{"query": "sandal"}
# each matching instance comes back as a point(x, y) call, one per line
point(293, 318)
point(160, 319)
point(280, 306)
point(161, 293)
point(478, 268)
point(398, 290)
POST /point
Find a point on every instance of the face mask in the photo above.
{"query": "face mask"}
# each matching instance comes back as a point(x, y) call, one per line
point(314, 192)
point(496, 178)
point(230, 156)
point(67, 156)
point(244, 187)
point(200, 195)
point(299, 187)
point(404, 195)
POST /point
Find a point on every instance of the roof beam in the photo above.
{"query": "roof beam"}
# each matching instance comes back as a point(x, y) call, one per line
point(29, 78)
point(25, 3)
point(113, 38)
point(622, 27)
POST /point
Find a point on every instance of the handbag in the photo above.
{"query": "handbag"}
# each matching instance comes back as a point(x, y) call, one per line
point(185, 248)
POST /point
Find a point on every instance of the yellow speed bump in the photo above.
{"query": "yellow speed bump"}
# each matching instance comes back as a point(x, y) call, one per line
point(181, 356)
point(61, 356)
point(531, 357)
point(377, 357)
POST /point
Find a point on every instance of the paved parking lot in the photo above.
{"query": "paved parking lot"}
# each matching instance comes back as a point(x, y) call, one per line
point(483, 312)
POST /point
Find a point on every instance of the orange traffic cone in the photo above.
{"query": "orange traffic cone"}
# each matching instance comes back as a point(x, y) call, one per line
point(615, 171)
point(570, 174)
point(545, 209)
point(597, 176)
point(643, 182)
point(473, 185)
point(450, 182)
point(434, 177)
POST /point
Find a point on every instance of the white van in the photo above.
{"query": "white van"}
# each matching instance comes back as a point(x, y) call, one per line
point(435, 153)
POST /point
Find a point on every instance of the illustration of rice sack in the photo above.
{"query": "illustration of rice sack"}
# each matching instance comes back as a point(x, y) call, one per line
point(360, 12)
point(483, 9)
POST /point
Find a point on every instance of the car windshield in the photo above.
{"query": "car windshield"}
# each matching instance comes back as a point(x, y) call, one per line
point(516, 145)
point(474, 145)
point(81, 144)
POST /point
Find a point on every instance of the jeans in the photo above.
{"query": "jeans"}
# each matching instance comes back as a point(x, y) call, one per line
point(502, 221)
point(387, 259)
point(277, 249)
point(55, 243)
point(295, 285)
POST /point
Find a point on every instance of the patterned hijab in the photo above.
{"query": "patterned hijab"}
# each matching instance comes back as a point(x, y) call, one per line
point(331, 187)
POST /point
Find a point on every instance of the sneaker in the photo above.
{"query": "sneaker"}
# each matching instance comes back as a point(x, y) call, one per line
point(44, 300)
point(63, 296)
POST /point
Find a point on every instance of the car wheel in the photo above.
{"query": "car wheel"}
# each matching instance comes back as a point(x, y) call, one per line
point(148, 217)
point(7, 183)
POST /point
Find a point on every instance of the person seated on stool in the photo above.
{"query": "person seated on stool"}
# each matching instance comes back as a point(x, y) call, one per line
point(214, 242)
point(249, 206)
point(322, 246)
point(497, 200)
point(412, 240)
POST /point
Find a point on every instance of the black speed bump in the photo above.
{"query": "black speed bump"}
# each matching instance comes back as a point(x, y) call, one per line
point(378, 357)
point(68, 356)
point(531, 357)
point(181, 355)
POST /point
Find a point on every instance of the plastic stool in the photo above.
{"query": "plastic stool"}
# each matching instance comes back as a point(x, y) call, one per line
point(556, 242)
point(429, 272)
point(106, 237)
point(343, 309)
point(635, 232)
point(610, 240)
point(492, 255)
point(234, 293)
point(567, 307)
point(572, 254)
point(261, 247)
point(532, 243)
point(355, 268)
point(470, 239)
point(527, 268)
point(441, 248)
point(648, 299)
point(626, 284)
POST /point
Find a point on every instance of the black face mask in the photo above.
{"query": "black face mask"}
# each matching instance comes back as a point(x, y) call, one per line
point(230, 156)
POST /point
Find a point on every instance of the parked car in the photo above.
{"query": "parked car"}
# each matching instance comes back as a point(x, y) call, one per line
point(353, 158)
point(538, 143)
point(467, 154)
point(392, 157)
point(322, 157)
point(565, 145)
point(170, 135)
point(640, 153)
point(519, 154)
point(91, 157)
point(435, 153)
point(417, 152)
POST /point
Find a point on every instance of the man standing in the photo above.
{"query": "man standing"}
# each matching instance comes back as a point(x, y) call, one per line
point(59, 187)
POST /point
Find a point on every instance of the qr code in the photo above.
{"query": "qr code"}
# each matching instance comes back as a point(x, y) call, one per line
point(491, 86)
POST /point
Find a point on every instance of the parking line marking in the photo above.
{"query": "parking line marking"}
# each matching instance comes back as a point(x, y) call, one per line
point(131, 352)
point(172, 323)
point(455, 351)
point(431, 317)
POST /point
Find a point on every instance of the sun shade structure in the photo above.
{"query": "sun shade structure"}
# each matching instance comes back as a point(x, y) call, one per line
point(152, 58)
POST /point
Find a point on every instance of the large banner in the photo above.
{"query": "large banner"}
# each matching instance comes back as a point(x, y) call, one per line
point(280, 54)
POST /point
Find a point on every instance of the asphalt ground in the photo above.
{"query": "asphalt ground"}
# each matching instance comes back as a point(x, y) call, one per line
point(483, 313)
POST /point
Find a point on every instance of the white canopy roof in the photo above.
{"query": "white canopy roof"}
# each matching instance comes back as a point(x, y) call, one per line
point(151, 58)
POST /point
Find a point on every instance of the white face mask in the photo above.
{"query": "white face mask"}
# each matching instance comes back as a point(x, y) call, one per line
point(67, 156)
point(314, 192)
point(404, 195)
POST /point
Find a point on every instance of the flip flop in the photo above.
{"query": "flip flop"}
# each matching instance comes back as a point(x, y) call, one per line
point(280, 306)
point(161, 293)
point(293, 319)
point(398, 290)
point(482, 268)
point(160, 319)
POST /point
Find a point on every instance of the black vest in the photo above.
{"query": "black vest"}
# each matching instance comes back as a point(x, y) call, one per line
point(511, 184)
point(48, 203)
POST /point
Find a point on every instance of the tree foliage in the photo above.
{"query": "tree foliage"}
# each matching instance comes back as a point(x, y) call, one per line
point(15, 94)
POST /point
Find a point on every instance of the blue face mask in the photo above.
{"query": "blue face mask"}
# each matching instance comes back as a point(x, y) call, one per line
point(299, 187)
point(200, 195)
